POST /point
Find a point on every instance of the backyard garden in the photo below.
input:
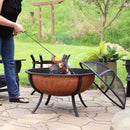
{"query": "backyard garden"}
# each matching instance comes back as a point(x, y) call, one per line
point(78, 27)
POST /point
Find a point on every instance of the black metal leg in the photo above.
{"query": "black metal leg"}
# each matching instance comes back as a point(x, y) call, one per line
point(18, 84)
point(80, 97)
point(40, 99)
point(32, 92)
point(48, 99)
point(128, 89)
point(3, 90)
point(74, 106)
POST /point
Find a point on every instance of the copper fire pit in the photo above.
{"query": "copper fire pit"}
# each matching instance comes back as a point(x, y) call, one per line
point(60, 84)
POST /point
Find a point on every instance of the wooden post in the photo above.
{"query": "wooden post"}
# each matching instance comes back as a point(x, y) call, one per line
point(52, 21)
point(39, 23)
point(52, 15)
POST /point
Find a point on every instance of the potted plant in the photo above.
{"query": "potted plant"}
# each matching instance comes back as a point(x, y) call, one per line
point(96, 55)
point(110, 58)
point(107, 56)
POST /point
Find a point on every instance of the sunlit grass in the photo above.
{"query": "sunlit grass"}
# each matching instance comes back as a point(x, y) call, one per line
point(23, 50)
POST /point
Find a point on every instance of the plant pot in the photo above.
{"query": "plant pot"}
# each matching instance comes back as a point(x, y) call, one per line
point(112, 66)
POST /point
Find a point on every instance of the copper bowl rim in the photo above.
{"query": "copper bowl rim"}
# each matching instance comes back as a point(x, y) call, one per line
point(35, 72)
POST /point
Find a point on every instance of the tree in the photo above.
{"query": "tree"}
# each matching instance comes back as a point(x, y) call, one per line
point(103, 7)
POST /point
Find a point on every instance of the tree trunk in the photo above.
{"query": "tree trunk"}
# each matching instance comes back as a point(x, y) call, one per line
point(102, 35)
point(103, 25)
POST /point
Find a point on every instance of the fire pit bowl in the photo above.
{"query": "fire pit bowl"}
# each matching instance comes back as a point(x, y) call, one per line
point(60, 84)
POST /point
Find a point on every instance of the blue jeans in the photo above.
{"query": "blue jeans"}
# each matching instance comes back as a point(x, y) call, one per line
point(7, 54)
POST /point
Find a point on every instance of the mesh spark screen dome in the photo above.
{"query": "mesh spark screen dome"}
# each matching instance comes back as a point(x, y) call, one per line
point(107, 82)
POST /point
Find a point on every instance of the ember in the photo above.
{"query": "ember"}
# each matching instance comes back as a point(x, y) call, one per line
point(60, 66)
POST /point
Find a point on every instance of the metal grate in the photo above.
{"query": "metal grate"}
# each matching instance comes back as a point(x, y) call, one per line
point(107, 81)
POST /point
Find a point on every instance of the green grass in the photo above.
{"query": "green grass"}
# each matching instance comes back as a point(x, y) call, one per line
point(23, 50)
point(75, 34)
point(73, 26)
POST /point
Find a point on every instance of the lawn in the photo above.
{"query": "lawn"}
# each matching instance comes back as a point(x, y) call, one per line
point(23, 50)
point(73, 26)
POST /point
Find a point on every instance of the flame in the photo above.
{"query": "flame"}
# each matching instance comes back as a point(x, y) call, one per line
point(56, 59)
point(61, 64)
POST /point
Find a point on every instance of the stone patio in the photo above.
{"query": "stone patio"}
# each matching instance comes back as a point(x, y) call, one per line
point(59, 114)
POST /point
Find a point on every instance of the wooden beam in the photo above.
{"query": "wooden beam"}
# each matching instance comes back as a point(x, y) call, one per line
point(39, 4)
point(46, 3)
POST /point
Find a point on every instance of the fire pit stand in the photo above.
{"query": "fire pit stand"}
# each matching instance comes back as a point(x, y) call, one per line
point(60, 84)
point(77, 90)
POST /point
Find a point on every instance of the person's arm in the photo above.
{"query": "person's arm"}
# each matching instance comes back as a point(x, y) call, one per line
point(5, 22)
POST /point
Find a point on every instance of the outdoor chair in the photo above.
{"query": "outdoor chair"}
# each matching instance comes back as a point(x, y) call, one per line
point(3, 86)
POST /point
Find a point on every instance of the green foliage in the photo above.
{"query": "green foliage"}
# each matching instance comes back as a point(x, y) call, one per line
point(96, 55)
point(111, 55)
point(119, 33)
point(23, 50)
point(74, 26)
point(102, 55)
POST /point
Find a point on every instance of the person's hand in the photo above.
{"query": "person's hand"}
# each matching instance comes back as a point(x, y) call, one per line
point(18, 28)
point(14, 33)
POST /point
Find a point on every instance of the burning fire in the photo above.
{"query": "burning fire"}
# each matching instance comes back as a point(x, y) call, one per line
point(59, 66)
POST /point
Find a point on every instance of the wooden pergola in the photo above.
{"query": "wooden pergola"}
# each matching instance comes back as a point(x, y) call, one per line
point(39, 4)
